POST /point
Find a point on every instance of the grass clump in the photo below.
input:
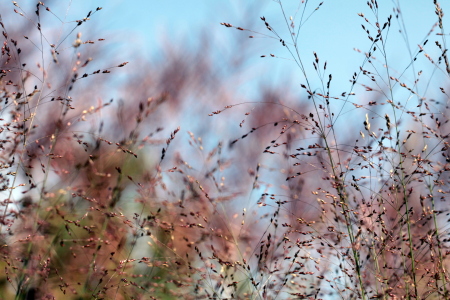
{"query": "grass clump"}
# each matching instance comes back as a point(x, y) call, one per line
point(341, 195)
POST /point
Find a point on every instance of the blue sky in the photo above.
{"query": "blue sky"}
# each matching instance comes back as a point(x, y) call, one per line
point(332, 31)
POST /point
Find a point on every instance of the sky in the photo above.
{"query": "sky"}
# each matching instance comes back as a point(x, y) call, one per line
point(333, 31)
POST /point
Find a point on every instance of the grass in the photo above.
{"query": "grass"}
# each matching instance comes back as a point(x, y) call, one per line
point(105, 200)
